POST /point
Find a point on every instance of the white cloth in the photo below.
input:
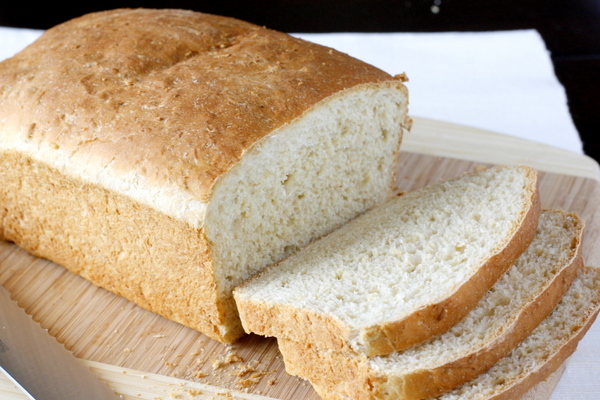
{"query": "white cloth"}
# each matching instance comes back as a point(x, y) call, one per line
point(13, 40)
point(498, 81)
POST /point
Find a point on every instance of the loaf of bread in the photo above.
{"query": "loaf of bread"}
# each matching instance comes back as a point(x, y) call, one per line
point(525, 295)
point(168, 155)
point(538, 356)
point(402, 272)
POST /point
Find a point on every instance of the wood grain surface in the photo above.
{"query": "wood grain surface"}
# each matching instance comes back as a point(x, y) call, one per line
point(144, 356)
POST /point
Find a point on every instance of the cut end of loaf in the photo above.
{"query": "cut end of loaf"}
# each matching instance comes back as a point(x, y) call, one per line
point(306, 179)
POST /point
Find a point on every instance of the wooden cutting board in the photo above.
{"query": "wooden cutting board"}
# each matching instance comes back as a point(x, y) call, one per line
point(144, 356)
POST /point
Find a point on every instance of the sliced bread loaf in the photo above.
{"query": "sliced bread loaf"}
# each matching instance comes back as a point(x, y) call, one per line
point(168, 155)
point(538, 356)
point(401, 273)
point(525, 295)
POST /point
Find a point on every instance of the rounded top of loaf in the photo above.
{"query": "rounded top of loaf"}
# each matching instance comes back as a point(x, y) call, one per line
point(175, 96)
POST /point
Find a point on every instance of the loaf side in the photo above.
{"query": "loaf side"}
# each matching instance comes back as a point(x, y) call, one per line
point(154, 260)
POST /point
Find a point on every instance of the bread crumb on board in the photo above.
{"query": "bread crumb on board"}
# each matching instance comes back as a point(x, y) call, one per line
point(243, 370)
point(200, 374)
point(229, 358)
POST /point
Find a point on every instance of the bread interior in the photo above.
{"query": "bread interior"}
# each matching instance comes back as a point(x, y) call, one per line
point(309, 177)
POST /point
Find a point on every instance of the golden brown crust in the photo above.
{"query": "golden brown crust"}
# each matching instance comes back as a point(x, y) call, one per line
point(290, 322)
point(114, 242)
point(341, 373)
point(324, 331)
point(138, 89)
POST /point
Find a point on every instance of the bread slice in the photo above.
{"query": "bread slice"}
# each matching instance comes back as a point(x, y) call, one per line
point(525, 295)
point(538, 356)
point(168, 155)
point(401, 273)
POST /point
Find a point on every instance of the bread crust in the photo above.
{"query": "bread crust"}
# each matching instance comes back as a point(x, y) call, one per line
point(350, 374)
point(327, 332)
